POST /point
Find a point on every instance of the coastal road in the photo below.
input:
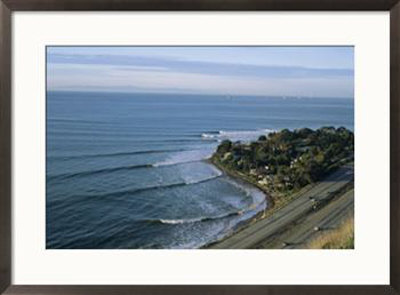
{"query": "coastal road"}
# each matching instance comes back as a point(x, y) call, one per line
point(326, 219)
point(321, 205)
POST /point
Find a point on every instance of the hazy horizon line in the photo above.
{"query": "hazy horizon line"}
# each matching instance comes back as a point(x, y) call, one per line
point(198, 94)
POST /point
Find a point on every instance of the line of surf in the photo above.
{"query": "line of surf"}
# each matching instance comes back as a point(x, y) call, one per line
point(124, 193)
point(251, 207)
point(67, 176)
point(194, 220)
point(235, 135)
point(143, 152)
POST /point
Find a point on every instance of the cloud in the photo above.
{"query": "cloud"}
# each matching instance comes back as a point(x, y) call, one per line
point(211, 68)
point(101, 72)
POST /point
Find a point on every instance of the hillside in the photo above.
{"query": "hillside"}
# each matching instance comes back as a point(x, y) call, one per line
point(283, 162)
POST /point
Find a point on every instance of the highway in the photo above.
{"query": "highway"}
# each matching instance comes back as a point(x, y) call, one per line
point(323, 205)
point(301, 233)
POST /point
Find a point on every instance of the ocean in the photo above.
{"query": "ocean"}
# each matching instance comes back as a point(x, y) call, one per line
point(129, 171)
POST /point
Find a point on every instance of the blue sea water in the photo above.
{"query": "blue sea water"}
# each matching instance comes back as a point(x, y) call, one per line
point(128, 170)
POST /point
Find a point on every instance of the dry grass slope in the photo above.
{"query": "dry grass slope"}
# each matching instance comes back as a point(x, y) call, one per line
point(340, 238)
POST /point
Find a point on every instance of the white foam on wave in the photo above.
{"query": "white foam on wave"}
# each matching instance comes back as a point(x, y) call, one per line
point(239, 135)
point(185, 157)
point(180, 221)
point(208, 135)
point(201, 173)
point(203, 179)
point(258, 197)
point(200, 219)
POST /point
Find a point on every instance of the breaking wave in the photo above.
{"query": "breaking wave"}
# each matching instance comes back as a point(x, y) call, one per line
point(104, 155)
point(66, 176)
point(239, 135)
point(257, 195)
point(193, 220)
point(175, 159)
point(186, 157)
point(148, 188)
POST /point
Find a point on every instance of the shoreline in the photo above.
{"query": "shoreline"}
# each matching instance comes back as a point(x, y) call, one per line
point(241, 180)
point(259, 216)
point(281, 230)
point(285, 166)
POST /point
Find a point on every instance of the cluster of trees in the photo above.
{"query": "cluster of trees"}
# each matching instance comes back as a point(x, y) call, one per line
point(288, 160)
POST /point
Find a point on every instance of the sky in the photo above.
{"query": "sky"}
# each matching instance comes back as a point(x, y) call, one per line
point(262, 71)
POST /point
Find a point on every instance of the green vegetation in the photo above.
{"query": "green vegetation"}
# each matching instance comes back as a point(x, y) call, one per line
point(286, 161)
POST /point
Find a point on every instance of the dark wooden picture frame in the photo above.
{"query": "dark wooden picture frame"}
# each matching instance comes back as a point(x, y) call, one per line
point(7, 7)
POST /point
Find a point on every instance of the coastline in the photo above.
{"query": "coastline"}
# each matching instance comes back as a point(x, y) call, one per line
point(282, 229)
point(261, 216)
point(241, 179)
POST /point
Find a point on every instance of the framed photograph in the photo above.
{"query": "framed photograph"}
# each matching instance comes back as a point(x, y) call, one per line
point(241, 147)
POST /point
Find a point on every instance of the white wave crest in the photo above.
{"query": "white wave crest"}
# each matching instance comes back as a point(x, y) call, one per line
point(207, 135)
point(240, 135)
point(185, 157)
point(257, 195)
point(200, 219)
point(180, 221)
point(204, 179)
